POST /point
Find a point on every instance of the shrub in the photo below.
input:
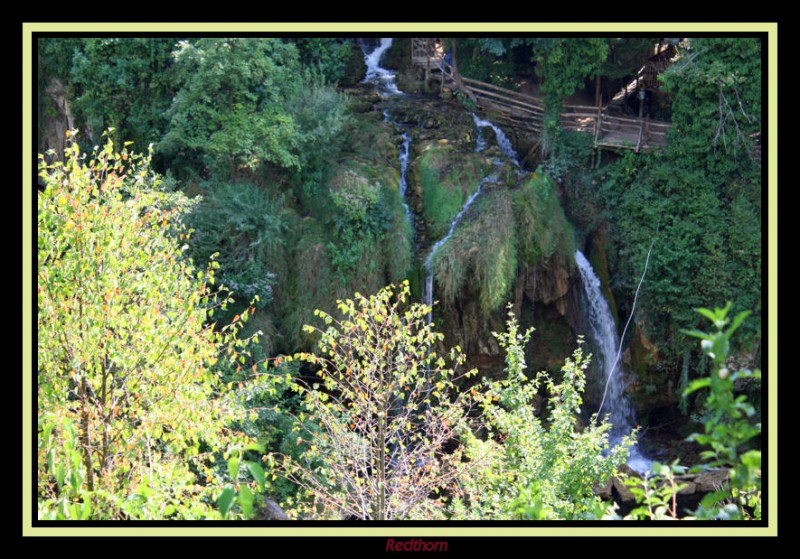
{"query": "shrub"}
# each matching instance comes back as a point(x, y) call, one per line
point(377, 429)
point(128, 413)
point(246, 227)
point(536, 469)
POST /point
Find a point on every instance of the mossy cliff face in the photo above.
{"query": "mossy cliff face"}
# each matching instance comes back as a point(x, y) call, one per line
point(513, 245)
point(349, 230)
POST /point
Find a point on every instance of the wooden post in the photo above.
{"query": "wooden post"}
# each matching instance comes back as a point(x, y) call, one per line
point(456, 75)
point(597, 99)
point(639, 141)
point(599, 102)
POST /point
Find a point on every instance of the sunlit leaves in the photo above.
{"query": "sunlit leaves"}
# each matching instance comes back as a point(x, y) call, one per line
point(387, 407)
point(124, 354)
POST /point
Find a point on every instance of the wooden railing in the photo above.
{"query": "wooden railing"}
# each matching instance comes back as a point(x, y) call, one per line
point(510, 107)
point(525, 112)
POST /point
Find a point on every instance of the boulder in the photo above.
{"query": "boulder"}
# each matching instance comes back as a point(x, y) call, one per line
point(272, 511)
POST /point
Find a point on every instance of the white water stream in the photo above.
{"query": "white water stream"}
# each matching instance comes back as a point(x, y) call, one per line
point(603, 331)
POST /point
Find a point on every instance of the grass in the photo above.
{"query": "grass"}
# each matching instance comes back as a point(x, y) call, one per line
point(545, 235)
point(482, 250)
point(448, 179)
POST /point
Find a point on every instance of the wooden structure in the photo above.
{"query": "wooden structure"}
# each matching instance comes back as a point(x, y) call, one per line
point(525, 112)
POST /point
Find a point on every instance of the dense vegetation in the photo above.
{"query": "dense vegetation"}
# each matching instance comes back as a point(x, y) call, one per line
point(203, 339)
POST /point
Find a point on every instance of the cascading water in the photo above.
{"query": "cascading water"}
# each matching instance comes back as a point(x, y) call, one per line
point(502, 140)
point(405, 150)
point(603, 331)
point(383, 79)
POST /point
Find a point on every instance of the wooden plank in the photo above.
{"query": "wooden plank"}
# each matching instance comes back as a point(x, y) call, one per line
point(582, 108)
point(503, 90)
point(508, 101)
point(504, 106)
point(506, 98)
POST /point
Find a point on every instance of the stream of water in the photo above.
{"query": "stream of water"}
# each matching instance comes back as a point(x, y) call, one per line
point(603, 331)
point(383, 79)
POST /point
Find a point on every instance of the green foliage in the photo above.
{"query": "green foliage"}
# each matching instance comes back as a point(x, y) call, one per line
point(570, 152)
point(319, 115)
point(535, 469)
point(716, 101)
point(729, 426)
point(358, 237)
point(481, 254)
point(128, 397)
point(230, 109)
point(374, 442)
point(657, 494)
point(543, 232)
point(245, 226)
point(329, 56)
point(124, 83)
point(240, 493)
point(447, 185)
point(486, 59)
point(370, 228)
point(563, 64)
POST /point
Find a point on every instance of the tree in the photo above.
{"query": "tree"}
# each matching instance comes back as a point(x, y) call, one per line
point(124, 83)
point(229, 110)
point(376, 433)
point(715, 86)
point(128, 412)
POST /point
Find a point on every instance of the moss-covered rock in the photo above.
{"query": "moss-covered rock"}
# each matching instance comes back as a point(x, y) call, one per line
point(545, 235)
point(355, 69)
point(446, 177)
point(481, 255)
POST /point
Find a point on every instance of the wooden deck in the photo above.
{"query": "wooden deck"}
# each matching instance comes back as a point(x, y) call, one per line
point(525, 112)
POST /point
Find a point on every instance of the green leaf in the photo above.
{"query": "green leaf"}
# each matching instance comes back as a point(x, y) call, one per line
point(752, 459)
point(226, 500)
point(60, 473)
point(256, 447)
point(711, 315)
point(696, 385)
point(233, 467)
point(246, 499)
point(257, 472)
point(737, 322)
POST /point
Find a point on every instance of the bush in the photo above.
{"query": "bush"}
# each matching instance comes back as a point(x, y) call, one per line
point(245, 225)
point(128, 412)
point(536, 469)
point(376, 431)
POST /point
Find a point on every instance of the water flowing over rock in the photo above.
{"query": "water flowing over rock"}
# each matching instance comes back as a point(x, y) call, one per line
point(603, 331)
point(384, 80)
point(506, 148)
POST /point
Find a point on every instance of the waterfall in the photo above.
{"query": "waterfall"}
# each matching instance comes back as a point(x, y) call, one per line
point(405, 151)
point(404, 156)
point(502, 140)
point(603, 331)
point(383, 79)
